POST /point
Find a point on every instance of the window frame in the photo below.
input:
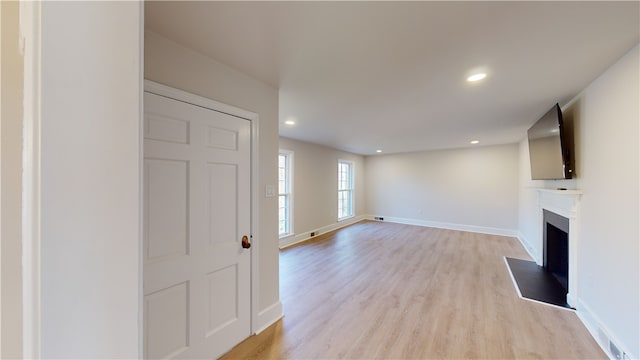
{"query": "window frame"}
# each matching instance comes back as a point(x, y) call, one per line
point(350, 189)
point(289, 191)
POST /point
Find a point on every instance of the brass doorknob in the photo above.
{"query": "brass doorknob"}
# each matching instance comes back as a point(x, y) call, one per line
point(245, 242)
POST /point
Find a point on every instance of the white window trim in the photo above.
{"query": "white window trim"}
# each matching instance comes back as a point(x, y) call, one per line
point(352, 189)
point(289, 154)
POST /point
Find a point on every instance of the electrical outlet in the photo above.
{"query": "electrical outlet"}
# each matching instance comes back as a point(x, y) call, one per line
point(269, 191)
point(614, 350)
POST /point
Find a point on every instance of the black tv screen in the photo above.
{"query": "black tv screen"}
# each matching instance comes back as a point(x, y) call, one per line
point(549, 151)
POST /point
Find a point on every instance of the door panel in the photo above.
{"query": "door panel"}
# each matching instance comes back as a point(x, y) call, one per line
point(167, 217)
point(164, 128)
point(222, 311)
point(222, 139)
point(167, 306)
point(197, 208)
point(222, 189)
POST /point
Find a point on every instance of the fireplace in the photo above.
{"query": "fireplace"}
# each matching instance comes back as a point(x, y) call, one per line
point(559, 212)
point(556, 247)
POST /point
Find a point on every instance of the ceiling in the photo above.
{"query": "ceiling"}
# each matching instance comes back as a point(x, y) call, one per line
point(362, 76)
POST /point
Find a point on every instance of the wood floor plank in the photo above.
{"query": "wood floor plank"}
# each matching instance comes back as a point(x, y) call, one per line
point(379, 290)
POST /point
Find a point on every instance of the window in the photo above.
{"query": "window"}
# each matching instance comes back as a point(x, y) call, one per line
point(285, 176)
point(345, 189)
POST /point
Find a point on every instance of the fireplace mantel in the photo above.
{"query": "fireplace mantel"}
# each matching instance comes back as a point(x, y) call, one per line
point(565, 203)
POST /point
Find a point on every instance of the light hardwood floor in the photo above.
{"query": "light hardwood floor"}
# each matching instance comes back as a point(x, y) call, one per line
point(389, 291)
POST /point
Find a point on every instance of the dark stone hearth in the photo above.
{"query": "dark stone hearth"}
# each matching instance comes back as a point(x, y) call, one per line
point(535, 283)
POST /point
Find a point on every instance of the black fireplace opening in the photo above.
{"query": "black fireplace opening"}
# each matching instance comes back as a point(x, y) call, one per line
point(556, 247)
point(558, 255)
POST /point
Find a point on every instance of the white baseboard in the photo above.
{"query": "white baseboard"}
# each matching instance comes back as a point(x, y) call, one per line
point(528, 248)
point(287, 240)
point(268, 317)
point(448, 226)
point(599, 331)
point(304, 236)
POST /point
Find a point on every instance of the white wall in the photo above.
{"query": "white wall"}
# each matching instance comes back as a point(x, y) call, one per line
point(171, 64)
point(606, 117)
point(469, 189)
point(90, 179)
point(315, 184)
point(11, 130)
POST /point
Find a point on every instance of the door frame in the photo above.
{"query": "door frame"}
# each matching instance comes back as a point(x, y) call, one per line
point(254, 119)
point(30, 40)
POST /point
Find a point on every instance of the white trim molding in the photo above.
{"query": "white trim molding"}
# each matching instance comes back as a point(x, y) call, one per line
point(290, 184)
point(528, 248)
point(177, 94)
point(30, 39)
point(141, 190)
point(268, 317)
point(448, 226)
point(287, 240)
point(351, 189)
point(600, 333)
point(292, 240)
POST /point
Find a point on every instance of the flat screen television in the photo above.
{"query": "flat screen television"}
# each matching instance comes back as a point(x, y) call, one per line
point(550, 147)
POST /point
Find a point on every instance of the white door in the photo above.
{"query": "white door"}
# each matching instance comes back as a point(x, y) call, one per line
point(196, 212)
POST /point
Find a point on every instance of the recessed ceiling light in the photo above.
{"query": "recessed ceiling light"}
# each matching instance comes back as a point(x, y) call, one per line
point(476, 77)
point(289, 122)
point(378, 151)
point(474, 141)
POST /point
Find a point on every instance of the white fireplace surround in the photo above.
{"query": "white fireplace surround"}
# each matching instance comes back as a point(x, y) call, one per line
point(565, 203)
